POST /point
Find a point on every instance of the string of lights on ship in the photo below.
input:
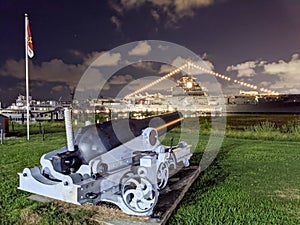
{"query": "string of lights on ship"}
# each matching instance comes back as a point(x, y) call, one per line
point(190, 64)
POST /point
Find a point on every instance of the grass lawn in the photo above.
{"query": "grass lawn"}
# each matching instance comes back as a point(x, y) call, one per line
point(252, 181)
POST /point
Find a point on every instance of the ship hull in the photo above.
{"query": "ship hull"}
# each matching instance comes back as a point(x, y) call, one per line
point(287, 104)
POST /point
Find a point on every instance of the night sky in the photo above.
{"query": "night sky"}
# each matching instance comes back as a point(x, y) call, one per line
point(256, 41)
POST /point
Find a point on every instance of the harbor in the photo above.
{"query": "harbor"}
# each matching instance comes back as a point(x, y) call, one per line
point(188, 97)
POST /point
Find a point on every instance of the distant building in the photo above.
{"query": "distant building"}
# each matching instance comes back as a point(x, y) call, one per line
point(39, 110)
point(4, 123)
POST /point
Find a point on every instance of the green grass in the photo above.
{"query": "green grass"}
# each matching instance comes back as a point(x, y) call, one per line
point(20, 130)
point(16, 154)
point(254, 180)
point(251, 182)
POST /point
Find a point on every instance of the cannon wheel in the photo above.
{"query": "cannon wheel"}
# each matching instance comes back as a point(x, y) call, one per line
point(138, 194)
point(162, 175)
point(125, 177)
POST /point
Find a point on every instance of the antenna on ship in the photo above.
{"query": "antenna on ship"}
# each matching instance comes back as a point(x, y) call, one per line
point(188, 67)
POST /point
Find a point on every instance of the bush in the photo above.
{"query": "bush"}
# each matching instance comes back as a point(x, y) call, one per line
point(264, 127)
point(292, 126)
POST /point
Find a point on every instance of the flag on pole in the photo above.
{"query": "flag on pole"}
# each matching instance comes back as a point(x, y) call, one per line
point(28, 53)
point(29, 41)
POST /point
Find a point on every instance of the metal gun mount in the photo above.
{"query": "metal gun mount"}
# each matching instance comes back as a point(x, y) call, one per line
point(120, 161)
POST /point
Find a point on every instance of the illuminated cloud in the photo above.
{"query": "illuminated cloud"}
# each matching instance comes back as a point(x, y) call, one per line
point(145, 65)
point(266, 83)
point(54, 70)
point(187, 6)
point(155, 15)
point(142, 48)
point(130, 4)
point(287, 74)
point(290, 68)
point(116, 22)
point(166, 69)
point(179, 61)
point(120, 79)
point(59, 89)
point(173, 9)
point(281, 76)
point(76, 53)
point(107, 59)
point(245, 69)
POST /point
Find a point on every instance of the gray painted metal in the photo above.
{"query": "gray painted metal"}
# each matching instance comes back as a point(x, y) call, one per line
point(129, 174)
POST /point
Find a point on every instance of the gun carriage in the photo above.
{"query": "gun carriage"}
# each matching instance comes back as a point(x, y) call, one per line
point(119, 161)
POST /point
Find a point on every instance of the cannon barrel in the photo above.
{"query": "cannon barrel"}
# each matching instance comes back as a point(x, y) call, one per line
point(97, 139)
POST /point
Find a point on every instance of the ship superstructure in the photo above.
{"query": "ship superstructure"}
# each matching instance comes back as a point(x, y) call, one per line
point(259, 103)
point(40, 110)
point(187, 85)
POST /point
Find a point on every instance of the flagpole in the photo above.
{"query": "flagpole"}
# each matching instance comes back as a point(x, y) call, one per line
point(26, 73)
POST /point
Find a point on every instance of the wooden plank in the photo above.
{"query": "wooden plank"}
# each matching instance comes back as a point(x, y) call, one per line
point(177, 187)
point(39, 198)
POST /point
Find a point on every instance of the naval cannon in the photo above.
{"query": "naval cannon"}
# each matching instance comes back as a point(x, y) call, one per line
point(119, 161)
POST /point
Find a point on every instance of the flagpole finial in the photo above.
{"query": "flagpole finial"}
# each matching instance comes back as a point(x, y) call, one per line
point(25, 14)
